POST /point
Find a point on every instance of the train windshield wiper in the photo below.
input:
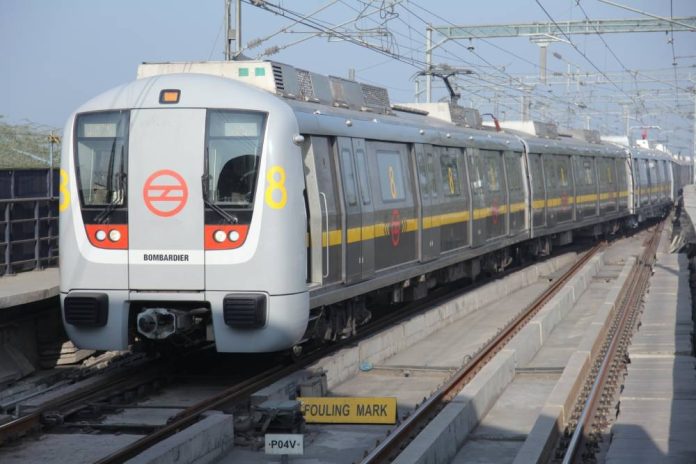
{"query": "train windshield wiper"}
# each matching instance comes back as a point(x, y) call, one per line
point(116, 200)
point(118, 195)
point(205, 180)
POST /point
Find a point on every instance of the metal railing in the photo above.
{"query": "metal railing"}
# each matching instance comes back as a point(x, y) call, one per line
point(28, 219)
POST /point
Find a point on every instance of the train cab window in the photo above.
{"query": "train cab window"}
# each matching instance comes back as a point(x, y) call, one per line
point(391, 176)
point(233, 149)
point(450, 174)
point(101, 146)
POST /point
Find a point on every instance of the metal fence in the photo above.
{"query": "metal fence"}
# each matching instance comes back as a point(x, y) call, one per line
point(28, 219)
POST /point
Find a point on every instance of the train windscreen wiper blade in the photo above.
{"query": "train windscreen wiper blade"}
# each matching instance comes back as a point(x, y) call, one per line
point(205, 189)
point(116, 201)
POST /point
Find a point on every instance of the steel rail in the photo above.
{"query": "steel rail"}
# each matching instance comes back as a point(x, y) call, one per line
point(408, 427)
point(622, 327)
point(101, 387)
point(241, 390)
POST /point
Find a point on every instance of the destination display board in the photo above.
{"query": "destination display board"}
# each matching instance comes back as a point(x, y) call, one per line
point(349, 410)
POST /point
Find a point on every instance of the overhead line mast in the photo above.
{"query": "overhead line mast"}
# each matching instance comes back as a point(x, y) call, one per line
point(233, 35)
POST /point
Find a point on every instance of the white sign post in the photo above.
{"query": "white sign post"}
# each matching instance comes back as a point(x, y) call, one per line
point(284, 444)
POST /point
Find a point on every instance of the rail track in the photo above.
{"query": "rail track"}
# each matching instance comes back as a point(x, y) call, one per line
point(409, 428)
point(590, 417)
point(134, 379)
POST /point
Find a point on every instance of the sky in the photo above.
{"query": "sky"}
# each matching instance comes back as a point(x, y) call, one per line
point(57, 54)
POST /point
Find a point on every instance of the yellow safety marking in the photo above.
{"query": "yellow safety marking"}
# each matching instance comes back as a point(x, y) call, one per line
point(383, 229)
point(348, 410)
point(586, 198)
point(334, 238)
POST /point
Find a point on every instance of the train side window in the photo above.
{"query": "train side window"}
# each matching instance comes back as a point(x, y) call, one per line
point(587, 171)
point(391, 176)
point(493, 171)
point(424, 171)
point(550, 172)
point(477, 168)
point(348, 176)
point(563, 165)
point(450, 174)
point(537, 175)
point(514, 171)
point(606, 174)
point(362, 176)
point(432, 180)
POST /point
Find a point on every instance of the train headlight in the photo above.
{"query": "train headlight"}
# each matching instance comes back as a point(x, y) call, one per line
point(219, 236)
point(233, 236)
point(114, 235)
point(100, 235)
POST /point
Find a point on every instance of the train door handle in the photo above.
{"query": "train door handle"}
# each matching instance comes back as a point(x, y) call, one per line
point(326, 272)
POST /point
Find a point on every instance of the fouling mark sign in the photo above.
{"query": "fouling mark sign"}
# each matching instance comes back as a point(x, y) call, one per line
point(348, 410)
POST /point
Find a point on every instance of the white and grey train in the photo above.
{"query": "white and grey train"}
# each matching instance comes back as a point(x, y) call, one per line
point(258, 205)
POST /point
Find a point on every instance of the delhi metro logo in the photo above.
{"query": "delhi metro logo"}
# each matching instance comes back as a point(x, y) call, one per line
point(395, 227)
point(165, 193)
point(495, 210)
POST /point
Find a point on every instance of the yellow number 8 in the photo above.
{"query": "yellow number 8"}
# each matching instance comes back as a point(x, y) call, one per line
point(392, 183)
point(64, 192)
point(276, 185)
point(450, 177)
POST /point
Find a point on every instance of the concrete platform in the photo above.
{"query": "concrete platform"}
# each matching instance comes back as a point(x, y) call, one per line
point(657, 409)
point(28, 287)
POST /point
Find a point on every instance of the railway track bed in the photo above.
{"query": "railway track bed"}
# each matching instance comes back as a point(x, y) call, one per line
point(491, 416)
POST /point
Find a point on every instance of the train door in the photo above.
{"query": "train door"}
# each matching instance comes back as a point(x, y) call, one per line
point(430, 229)
point(644, 182)
point(496, 194)
point(538, 191)
point(367, 230)
point(477, 171)
point(396, 215)
point(516, 196)
point(165, 232)
point(325, 211)
point(454, 203)
point(552, 191)
point(352, 226)
point(622, 188)
point(565, 187)
point(607, 203)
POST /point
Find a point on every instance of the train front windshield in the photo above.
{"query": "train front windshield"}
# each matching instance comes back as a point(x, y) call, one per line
point(101, 145)
point(233, 150)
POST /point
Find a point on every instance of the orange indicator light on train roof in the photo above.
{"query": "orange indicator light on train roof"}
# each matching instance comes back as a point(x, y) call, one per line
point(170, 96)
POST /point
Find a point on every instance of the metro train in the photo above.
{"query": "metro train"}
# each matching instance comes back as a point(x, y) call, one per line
point(258, 205)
